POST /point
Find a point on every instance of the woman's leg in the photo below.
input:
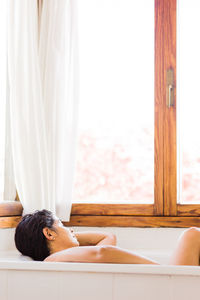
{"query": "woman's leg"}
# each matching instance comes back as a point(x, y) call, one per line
point(187, 251)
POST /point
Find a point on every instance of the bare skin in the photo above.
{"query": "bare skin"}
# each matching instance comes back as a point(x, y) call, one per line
point(99, 247)
point(93, 247)
point(187, 251)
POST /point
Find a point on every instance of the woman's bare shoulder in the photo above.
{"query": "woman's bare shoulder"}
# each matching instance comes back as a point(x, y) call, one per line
point(75, 254)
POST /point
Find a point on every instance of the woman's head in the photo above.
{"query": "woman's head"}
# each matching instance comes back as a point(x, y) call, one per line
point(41, 233)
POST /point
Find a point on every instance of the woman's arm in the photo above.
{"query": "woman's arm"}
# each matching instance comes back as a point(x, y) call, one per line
point(92, 238)
point(112, 254)
point(99, 254)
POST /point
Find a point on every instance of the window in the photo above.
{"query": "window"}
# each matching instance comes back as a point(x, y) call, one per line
point(116, 119)
point(139, 64)
point(188, 65)
point(100, 93)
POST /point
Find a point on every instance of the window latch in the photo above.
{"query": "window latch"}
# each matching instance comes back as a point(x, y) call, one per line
point(170, 87)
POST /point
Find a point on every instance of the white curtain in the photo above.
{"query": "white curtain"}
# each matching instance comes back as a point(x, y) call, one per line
point(43, 83)
point(3, 88)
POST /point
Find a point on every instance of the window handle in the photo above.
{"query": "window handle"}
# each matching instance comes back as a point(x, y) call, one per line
point(171, 96)
point(170, 87)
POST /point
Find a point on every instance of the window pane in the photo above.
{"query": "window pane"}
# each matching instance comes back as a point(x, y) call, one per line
point(188, 96)
point(115, 157)
point(3, 76)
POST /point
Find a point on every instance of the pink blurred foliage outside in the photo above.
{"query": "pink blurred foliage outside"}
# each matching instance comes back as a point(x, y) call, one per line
point(190, 178)
point(110, 173)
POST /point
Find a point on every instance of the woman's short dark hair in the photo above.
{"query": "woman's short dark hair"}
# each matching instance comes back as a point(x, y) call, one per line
point(29, 237)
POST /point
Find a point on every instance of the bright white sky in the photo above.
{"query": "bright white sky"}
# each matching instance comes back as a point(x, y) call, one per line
point(117, 63)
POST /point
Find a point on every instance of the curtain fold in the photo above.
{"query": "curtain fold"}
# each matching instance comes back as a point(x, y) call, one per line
point(43, 78)
point(9, 180)
point(3, 92)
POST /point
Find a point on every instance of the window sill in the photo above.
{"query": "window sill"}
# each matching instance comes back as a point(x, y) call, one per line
point(11, 211)
point(10, 208)
point(133, 221)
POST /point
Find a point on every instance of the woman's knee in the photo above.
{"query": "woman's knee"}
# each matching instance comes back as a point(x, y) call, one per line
point(188, 248)
point(191, 234)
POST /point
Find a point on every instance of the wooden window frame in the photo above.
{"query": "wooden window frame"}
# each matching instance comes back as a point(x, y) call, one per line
point(10, 213)
point(165, 212)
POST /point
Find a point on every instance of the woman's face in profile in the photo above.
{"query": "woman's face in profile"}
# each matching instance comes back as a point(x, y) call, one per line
point(64, 236)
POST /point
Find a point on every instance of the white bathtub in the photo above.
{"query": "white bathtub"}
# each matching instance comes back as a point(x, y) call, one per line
point(21, 278)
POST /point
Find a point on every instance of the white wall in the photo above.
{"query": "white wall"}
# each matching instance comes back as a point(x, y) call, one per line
point(129, 238)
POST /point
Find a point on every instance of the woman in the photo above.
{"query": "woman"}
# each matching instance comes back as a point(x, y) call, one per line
point(42, 236)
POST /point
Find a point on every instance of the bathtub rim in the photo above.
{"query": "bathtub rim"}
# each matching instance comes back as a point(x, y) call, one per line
point(100, 268)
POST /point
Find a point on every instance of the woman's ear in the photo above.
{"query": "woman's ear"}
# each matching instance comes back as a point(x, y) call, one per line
point(49, 234)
